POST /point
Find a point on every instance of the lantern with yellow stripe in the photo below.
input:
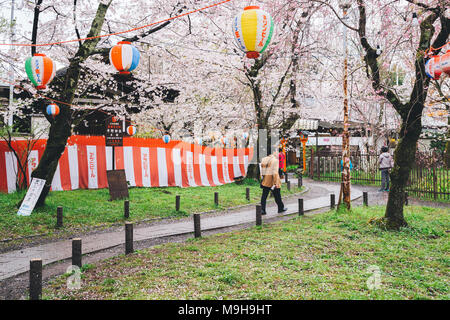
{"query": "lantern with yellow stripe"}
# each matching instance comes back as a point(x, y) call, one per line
point(253, 29)
point(124, 57)
point(131, 130)
point(40, 70)
point(52, 110)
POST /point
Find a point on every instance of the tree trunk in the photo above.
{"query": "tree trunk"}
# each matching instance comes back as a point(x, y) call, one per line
point(404, 157)
point(61, 126)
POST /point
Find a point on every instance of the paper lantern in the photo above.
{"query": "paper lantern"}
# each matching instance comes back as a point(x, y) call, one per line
point(52, 110)
point(433, 67)
point(131, 130)
point(124, 57)
point(445, 63)
point(114, 119)
point(40, 70)
point(166, 138)
point(253, 29)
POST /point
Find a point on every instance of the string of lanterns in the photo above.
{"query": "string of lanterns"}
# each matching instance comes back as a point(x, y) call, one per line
point(253, 30)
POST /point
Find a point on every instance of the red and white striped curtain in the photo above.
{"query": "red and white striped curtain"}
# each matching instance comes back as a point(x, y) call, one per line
point(147, 163)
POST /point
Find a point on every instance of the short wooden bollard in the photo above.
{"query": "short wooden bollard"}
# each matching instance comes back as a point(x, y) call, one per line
point(286, 178)
point(197, 227)
point(289, 185)
point(332, 201)
point(247, 194)
point(406, 198)
point(177, 203)
point(35, 279)
point(365, 198)
point(126, 209)
point(301, 210)
point(216, 198)
point(300, 181)
point(258, 215)
point(59, 217)
point(128, 238)
point(76, 252)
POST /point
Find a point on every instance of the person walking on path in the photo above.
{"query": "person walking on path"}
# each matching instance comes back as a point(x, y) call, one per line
point(281, 158)
point(386, 162)
point(271, 181)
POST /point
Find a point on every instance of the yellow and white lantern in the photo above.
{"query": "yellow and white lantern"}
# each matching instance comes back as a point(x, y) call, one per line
point(253, 29)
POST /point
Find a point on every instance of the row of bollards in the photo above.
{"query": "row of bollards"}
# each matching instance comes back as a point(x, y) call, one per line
point(35, 281)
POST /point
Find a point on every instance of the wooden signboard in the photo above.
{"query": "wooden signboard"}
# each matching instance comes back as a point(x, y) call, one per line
point(117, 183)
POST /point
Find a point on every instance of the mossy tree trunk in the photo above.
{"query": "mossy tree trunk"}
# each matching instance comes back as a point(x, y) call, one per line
point(61, 126)
point(410, 112)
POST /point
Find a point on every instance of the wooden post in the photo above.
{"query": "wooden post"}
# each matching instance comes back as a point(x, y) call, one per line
point(128, 238)
point(332, 201)
point(286, 178)
point(365, 198)
point(126, 209)
point(59, 217)
point(289, 185)
point(300, 180)
point(406, 198)
point(76, 252)
point(301, 210)
point(35, 279)
point(216, 198)
point(197, 227)
point(247, 194)
point(177, 203)
point(258, 215)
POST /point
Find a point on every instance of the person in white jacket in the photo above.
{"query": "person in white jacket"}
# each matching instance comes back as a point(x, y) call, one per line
point(386, 162)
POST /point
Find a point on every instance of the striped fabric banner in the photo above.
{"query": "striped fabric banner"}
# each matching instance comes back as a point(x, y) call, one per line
point(147, 163)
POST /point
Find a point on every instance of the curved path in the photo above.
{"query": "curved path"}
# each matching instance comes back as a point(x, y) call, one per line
point(17, 262)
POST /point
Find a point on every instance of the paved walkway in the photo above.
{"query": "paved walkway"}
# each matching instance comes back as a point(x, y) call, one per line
point(17, 262)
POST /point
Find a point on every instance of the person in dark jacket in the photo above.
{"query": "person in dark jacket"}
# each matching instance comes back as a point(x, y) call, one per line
point(385, 162)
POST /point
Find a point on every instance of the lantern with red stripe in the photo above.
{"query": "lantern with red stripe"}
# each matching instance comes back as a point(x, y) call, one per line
point(52, 110)
point(124, 57)
point(445, 63)
point(131, 130)
point(40, 70)
point(253, 29)
point(166, 138)
point(433, 67)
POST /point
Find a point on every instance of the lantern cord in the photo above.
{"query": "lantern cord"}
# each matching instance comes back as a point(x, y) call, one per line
point(115, 33)
point(431, 49)
point(53, 100)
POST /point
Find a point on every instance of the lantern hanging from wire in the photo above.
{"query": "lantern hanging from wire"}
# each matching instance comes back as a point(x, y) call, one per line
point(445, 63)
point(433, 67)
point(40, 70)
point(124, 57)
point(166, 138)
point(52, 110)
point(131, 130)
point(253, 30)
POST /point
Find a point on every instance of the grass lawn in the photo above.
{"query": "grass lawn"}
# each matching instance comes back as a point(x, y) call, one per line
point(326, 256)
point(85, 209)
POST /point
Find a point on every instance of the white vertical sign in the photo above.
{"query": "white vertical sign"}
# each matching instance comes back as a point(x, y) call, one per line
point(33, 194)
